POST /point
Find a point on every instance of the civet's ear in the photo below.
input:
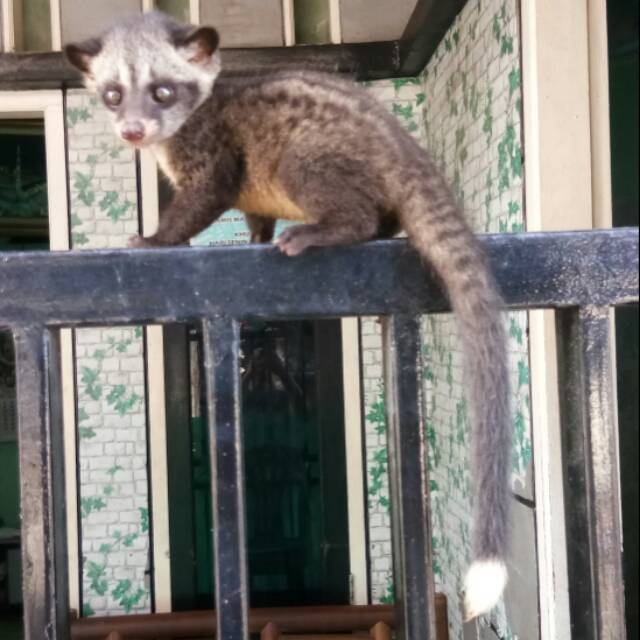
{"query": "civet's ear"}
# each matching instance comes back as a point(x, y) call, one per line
point(198, 46)
point(81, 54)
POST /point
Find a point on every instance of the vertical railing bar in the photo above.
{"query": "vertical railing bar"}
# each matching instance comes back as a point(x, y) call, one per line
point(43, 538)
point(591, 474)
point(409, 489)
point(58, 484)
point(222, 353)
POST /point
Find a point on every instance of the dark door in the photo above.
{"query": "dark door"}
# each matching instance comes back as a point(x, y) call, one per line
point(295, 470)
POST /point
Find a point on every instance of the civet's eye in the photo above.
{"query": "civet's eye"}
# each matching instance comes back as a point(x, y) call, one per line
point(163, 93)
point(112, 97)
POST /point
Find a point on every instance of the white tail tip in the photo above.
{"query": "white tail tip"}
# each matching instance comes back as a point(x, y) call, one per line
point(484, 584)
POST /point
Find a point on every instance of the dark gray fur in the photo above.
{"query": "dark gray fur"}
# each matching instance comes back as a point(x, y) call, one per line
point(315, 148)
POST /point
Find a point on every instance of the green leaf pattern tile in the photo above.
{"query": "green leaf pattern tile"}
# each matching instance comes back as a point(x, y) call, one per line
point(466, 110)
point(112, 454)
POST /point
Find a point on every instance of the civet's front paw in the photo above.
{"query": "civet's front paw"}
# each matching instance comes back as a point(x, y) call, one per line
point(294, 240)
point(139, 242)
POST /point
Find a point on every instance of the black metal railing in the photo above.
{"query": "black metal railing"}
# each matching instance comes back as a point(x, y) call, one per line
point(580, 274)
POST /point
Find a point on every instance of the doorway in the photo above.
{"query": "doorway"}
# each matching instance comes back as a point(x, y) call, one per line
point(23, 226)
point(294, 459)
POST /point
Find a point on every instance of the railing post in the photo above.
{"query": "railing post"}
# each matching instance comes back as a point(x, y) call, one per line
point(222, 350)
point(591, 476)
point(409, 489)
point(42, 505)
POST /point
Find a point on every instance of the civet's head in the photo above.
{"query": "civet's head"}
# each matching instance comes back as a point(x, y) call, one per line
point(151, 72)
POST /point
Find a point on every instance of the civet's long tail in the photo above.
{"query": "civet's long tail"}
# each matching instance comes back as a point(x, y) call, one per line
point(436, 228)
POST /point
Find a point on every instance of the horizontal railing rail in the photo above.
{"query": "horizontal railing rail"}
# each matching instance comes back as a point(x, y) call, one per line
point(534, 270)
point(581, 275)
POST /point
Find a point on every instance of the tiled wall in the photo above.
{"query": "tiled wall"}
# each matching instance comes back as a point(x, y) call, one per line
point(473, 126)
point(111, 418)
point(465, 109)
point(377, 482)
point(404, 98)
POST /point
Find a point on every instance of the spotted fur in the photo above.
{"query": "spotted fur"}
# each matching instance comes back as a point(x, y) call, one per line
point(316, 149)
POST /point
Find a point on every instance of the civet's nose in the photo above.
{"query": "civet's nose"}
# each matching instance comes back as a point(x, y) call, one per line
point(133, 131)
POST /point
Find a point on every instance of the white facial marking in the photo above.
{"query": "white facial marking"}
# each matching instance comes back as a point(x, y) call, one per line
point(124, 74)
point(144, 75)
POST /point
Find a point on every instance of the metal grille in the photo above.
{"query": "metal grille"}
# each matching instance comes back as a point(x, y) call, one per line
point(579, 274)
